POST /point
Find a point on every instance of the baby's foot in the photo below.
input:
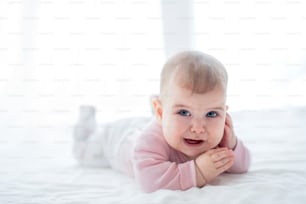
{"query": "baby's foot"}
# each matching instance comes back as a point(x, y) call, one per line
point(86, 124)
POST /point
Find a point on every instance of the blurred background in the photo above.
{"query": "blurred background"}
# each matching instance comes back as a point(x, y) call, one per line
point(56, 55)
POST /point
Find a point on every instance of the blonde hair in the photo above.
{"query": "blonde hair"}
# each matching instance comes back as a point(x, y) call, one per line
point(193, 70)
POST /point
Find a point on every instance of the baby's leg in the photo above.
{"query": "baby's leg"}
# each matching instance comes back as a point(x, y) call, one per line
point(120, 140)
point(103, 145)
point(88, 139)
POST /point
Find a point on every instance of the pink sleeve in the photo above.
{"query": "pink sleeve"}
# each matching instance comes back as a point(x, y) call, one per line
point(153, 175)
point(242, 159)
point(154, 171)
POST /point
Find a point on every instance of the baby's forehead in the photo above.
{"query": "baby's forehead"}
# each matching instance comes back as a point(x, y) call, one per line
point(179, 94)
point(176, 90)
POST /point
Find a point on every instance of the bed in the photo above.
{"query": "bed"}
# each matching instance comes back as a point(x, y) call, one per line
point(36, 166)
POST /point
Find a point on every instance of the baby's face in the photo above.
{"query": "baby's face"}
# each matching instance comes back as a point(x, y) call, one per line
point(193, 123)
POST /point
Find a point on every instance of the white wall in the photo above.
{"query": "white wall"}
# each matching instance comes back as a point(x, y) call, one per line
point(57, 55)
point(261, 43)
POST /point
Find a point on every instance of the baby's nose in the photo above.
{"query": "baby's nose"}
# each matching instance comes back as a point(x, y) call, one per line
point(198, 126)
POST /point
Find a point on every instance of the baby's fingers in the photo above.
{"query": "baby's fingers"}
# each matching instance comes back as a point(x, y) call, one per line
point(227, 165)
point(224, 164)
point(217, 156)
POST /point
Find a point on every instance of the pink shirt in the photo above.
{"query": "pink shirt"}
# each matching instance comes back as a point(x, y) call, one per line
point(158, 166)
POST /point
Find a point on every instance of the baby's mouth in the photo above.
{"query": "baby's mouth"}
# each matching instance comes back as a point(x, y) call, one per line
point(193, 142)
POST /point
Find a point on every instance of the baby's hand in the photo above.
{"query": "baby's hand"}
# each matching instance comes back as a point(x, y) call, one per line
point(214, 162)
point(229, 139)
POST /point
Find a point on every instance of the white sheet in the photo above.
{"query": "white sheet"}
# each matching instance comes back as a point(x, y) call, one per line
point(36, 166)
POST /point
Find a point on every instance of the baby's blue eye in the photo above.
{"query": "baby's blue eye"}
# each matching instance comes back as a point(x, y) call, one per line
point(212, 114)
point(184, 113)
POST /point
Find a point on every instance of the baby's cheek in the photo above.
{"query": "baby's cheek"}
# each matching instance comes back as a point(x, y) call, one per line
point(219, 139)
point(220, 133)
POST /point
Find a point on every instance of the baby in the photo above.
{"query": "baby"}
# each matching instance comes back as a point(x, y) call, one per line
point(189, 142)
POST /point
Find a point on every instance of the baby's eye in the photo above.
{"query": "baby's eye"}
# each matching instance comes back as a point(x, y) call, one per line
point(212, 114)
point(184, 113)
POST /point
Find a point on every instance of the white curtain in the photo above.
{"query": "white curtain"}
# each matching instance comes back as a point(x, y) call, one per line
point(261, 43)
point(58, 55)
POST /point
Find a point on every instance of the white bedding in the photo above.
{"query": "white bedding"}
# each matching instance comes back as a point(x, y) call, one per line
point(36, 166)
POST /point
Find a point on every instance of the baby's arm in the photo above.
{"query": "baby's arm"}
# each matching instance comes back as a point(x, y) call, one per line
point(153, 175)
point(153, 169)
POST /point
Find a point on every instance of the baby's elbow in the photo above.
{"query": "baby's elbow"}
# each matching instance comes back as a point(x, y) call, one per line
point(147, 189)
point(241, 166)
point(148, 186)
point(244, 169)
point(247, 166)
point(246, 163)
point(154, 184)
point(149, 183)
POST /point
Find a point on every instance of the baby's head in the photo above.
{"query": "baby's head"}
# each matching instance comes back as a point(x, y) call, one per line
point(193, 70)
point(192, 103)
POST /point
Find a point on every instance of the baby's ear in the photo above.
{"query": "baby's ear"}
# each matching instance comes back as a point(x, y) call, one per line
point(157, 107)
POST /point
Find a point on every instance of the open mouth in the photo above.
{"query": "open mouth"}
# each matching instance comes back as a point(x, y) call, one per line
point(193, 142)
